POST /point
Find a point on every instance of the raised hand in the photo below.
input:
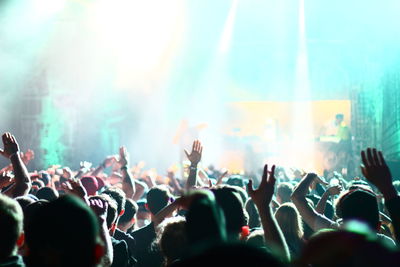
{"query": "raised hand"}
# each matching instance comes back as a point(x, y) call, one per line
point(263, 195)
point(109, 161)
point(5, 179)
point(99, 206)
point(75, 187)
point(219, 181)
point(195, 156)
point(10, 145)
point(335, 190)
point(375, 170)
point(66, 173)
point(28, 156)
point(123, 156)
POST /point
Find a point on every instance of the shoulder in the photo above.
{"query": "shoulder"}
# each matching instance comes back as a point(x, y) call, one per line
point(144, 230)
point(386, 240)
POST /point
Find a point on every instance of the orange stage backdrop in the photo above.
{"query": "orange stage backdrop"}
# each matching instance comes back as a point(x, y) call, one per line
point(266, 122)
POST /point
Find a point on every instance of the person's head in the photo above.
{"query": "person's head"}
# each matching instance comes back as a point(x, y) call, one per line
point(91, 185)
point(119, 196)
point(143, 215)
point(47, 193)
point(346, 248)
point(45, 178)
point(11, 227)
point(254, 217)
point(289, 221)
point(157, 198)
point(256, 239)
point(127, 220)
point(283, 192)
point(236, 180)
point(24, 201)
point(228, 198)
point(64, 232)
point(36, 185)
point(339, 118)
point(172, 239)
point(359, 204)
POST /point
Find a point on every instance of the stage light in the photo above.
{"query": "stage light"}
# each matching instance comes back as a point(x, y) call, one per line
point(226, 37)
point(302, 129)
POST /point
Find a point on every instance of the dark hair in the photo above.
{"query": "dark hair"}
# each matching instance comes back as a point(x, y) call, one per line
point(47, 193)
point(231, 203)
point(38, 183)
point(11, 224)
point(254, 217)
point(130, 210)
point(118, 195)
point(172, 239)
point(284, 191)
point(69, 238)
point(111, 209)
point(157, 198)
point(24, 201)
point(360, 204)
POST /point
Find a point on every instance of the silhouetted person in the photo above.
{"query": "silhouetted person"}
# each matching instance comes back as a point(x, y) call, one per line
point(11, 232)
point(64, 232)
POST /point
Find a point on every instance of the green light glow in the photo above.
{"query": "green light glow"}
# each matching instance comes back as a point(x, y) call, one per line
point(51, 135)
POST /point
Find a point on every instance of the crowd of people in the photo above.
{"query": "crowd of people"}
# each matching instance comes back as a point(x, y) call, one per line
point(118, 214)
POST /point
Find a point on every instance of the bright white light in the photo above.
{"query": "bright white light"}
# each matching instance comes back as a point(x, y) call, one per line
point(140, 35)
point(226, 37)
point(302, 150)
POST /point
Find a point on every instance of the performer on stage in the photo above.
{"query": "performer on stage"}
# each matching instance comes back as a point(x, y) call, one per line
point(338, 153)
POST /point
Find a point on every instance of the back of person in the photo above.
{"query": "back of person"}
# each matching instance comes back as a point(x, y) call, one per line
point(64, 233)
point(11, 224)
point(146, 254)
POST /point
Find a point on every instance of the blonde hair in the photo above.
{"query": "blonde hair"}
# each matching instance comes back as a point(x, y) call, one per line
point(290, 222)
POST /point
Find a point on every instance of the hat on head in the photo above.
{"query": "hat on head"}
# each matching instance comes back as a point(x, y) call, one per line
point(90, 184)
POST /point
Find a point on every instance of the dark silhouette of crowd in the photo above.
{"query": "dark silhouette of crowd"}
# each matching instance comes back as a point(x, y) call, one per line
point(119, 214)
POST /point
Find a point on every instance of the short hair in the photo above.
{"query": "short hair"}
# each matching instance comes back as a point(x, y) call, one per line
point(158, 198)
point(62, 233)
point(256, 239)
point(111, 209)
point(231, 203)
point(118, 195)
point(130, 210)
point(359, 204)
point(172, 238)
point(11, 225)
point(38, 183)
point(24, 201)
point(284, 191)
point(254, 216)
point(47, 193)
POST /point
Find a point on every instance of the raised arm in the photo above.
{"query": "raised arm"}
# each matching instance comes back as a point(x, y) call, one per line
point(377, 172)
point(194, 158)
point(128, 184)
point(331, 191)
point(21, 177)
point(100, 208)
point(108, 162)
point(262, 198)
point(314, 220)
